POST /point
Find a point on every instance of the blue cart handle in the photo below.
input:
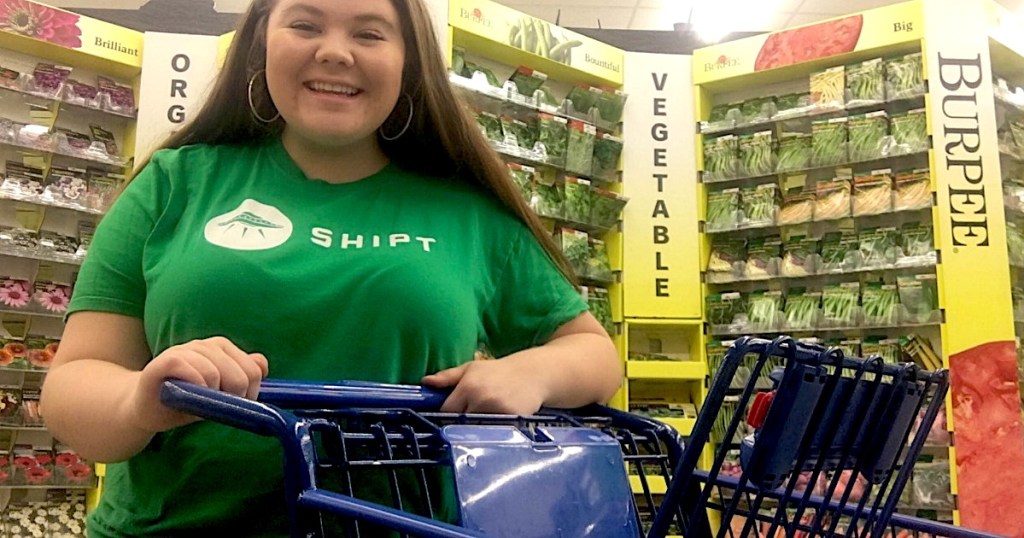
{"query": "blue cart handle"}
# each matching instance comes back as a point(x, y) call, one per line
point(261, 418)
point(224, 408)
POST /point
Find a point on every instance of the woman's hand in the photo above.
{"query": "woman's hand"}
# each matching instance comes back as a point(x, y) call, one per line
point(215, 362)
point(490, 386)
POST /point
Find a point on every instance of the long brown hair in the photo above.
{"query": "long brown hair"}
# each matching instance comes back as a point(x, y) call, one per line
point(442, 140)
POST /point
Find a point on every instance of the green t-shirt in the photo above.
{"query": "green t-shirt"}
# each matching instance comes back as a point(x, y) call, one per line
point(387, 279)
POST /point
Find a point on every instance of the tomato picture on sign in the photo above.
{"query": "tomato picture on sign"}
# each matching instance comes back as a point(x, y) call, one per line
point(810, 43)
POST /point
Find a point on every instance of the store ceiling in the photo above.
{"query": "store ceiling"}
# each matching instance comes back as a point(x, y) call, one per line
point(716, 17)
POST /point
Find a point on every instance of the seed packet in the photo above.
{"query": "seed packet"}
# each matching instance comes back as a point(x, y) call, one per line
point(51, 297)
point(867, 136)
point(9, 78)
point(56, 243)
point(86, 230)
point(919, 296)
point(14, 354)
point(799, 257)
point(100, 134)
point(726, 309)
point(10, 405)
point(878, 247)
point(794, 152)
point(909, 132)
point(832, 200)
point(102, 189)
point(576, 247)
point(904, 76)
point(41, 352)
point(80, 93)
point(71, 469)
point(917, 246)
point(757, 154)
point(48, 78)
point(523, 178)
point(721, 158)
point(760, 204)
point(599, 267)
point(757, 110)
point(600, 307)
point(490, 125)
point(865, 83)
point(19, 239)
point(607, 150)
point(723, 210)
point(122, 97)
point(880, 304)
point(553, 133)
point(797, 207)
point(839, 252)
point(66, 184)
point(792, 105)
point(76, 143)
point(802, 309)
point(580, 152)
point(727, 256)
point(829, 142)
point(527, 81)
point(913, 190)
point(582, 98)
point(577, 200)
point(22, 181)
point(764, 310)
point(839, 304)
point(30, 407)
point(606, 208)
point(763, 254)
point(548, 197)
point(517, 133)
point(828, 88)
point(611, 104)
point(872, 194)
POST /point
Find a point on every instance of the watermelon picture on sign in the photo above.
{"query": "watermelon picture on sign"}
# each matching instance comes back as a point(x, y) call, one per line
point(810, 43)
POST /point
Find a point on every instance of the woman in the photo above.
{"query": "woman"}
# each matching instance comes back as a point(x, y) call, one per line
point(331, 213)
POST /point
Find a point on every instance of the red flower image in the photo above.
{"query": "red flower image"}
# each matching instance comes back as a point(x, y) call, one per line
point(43, 459)
point(3, 476)
point(40, 22)
point(78, 472)
point(24, 462)
point(67, 459)
point(37, 475)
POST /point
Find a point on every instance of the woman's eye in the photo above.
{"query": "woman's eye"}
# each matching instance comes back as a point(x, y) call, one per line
point(372, 35)
point(303, 26)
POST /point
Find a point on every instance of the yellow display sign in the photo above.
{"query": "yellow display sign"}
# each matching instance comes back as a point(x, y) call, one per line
point(974, 273)
point(661, 239)
point(69, 30)
point(877, 28)
point(509, 27)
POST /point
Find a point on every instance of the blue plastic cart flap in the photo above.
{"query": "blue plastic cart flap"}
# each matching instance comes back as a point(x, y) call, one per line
point(572, 484)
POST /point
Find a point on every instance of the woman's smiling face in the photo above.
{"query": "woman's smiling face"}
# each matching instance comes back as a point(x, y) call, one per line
point(334, 67)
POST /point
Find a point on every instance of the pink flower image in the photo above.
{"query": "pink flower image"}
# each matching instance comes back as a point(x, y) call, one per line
point(40, 22)
point(14, 293)
point(54, 300)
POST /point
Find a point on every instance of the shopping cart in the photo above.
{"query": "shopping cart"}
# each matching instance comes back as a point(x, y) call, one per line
point(819, 417)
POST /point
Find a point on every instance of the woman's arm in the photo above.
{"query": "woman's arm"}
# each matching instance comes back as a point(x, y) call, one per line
point(102, 394)
point(577, 366)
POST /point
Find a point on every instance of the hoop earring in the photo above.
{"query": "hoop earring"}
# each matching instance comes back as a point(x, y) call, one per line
point(252, 106)
point(408, 122)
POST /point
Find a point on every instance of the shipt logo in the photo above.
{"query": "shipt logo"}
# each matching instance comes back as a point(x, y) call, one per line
point(477, 16)
point(252, 226)
point(723, 62)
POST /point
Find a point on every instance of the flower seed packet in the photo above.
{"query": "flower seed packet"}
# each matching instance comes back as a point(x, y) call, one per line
point(57, 243)
point(66, 183)
point(9, 78)
point(100, 134)
point(49, 77)
point(122, 98)
point(10, 405)
point(52, 297)
point(14, 293)
point(41, 352)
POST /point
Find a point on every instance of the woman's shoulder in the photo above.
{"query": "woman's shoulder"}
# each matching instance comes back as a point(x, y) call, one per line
point(204, 153)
